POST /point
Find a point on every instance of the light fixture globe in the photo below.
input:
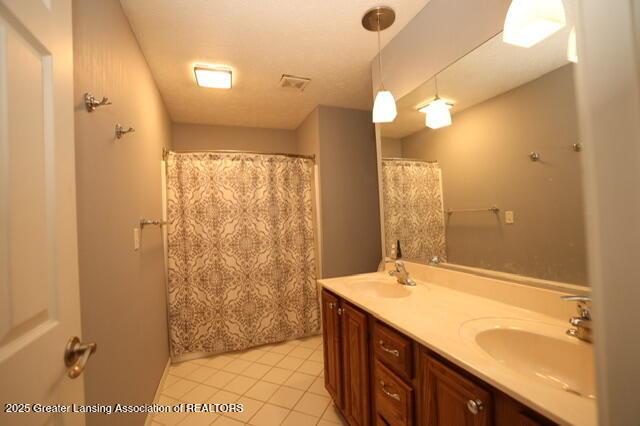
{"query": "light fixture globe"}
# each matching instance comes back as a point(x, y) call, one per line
point(528, 22)
point(438, 114)
point(384, 107)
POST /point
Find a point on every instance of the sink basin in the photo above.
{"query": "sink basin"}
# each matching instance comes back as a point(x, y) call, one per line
point(536, 349)
point(384, 288)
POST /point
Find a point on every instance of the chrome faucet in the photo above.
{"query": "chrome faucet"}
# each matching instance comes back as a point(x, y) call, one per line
point(581, 323)
point(400, 272)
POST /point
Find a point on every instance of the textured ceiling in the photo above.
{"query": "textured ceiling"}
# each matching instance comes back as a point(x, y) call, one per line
point(261, 40)
point(491, 69)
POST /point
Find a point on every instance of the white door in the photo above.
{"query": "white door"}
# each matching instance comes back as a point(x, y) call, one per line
point(39, 297)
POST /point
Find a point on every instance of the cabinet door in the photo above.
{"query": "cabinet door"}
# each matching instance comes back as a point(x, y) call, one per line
point(331, 342)
point(355, 363)
point(450, 399)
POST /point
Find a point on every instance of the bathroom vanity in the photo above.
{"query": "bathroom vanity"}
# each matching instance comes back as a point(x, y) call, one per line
point(438, 354)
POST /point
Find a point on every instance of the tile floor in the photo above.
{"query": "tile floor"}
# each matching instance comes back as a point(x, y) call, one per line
point(280, 384)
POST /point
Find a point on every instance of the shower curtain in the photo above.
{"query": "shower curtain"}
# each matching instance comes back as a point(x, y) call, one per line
point(241, 261)
point(413, 209)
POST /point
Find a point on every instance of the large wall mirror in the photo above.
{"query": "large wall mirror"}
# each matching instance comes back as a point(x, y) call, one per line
point(500, 187)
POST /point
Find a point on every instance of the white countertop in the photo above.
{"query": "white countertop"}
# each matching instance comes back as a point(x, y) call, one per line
point(433, 315)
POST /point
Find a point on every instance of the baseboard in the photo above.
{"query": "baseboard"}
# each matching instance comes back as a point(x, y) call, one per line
point(149, 418)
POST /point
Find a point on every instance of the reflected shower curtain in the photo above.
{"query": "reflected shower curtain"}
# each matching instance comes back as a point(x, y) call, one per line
point(241, 261)
point(413, 209)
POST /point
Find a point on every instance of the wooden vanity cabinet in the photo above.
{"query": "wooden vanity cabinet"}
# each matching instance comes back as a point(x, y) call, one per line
point(331, 335)
point(390, 380)
point(346, 358)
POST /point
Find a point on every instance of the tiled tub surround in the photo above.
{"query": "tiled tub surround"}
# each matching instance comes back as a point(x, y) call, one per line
point(279, 384)
point(433, 314)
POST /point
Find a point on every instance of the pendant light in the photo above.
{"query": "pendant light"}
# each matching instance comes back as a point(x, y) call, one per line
point(437, 111)
point(572, 48)
point(384, 106)
point(529, 22)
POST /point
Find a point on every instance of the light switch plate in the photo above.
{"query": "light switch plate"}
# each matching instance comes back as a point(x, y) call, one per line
point(509, 217)
point(136, 239)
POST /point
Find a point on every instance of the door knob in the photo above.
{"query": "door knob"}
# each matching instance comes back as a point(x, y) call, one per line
point(76, 355)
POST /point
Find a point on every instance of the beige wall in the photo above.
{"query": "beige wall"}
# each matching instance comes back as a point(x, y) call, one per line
point(484, 160)
point(391, 147)
point(349, 192)
point(198, 137)
point(118, 181)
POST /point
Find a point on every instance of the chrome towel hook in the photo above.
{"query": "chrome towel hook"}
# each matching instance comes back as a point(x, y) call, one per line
point(92, 103)
point(120, 131)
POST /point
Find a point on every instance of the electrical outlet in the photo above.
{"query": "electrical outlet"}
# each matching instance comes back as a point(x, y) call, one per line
point(136, 239)
point(509, 217)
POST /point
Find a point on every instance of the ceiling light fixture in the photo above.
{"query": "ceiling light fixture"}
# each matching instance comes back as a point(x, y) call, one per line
point(572, 48)
point(215, 77)
point(384, 107)
point(437, 111)
point(529, 22)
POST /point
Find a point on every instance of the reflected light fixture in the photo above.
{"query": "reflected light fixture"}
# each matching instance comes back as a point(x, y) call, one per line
point(213, 76)
point(529, 22)
point(437, 112)
point(572, 48)
point(378, 19)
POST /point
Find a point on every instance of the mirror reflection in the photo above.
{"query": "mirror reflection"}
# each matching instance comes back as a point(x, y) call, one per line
point(481, 168)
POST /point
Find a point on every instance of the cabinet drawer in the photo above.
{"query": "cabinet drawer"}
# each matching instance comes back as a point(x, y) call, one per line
point(393, 349)
point(394, 399)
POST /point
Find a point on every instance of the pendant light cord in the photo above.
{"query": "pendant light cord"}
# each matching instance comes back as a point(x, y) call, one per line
point(379, 56)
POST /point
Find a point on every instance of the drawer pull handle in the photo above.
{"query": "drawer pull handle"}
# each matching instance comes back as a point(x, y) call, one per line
point(331, 305)
point(475, 406)
point(386, 392)
point(393, 352)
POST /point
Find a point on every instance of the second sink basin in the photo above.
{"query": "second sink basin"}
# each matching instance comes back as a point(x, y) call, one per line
point(539, 350)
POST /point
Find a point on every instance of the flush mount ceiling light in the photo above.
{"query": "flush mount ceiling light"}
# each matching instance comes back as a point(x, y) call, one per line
point(437, 111)
point(572, 48)
point(379, 19)
point(213, 76)
point(529, 22)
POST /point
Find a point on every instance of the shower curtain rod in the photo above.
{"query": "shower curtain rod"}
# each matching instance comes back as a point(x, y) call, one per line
point(312, 157)
point(408, 159)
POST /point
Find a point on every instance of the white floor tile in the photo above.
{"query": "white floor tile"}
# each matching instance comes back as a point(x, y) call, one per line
point(299, 419)
point(198, 419)
point(317, 387)
point(256, 370)
point(236, 366)
point(219, 361)
point(250, 407)
point(277, 375)
point(286, 397)
point(262, 391)
point(240, 385)
point(199, 394)
point(220, 379)
point(227, 421)
point(311, 367)
point(312, 404)
point(300, 381)
point(183, 368)
point(179, 388)
point(270, 358)
point(301, 352)
point(201, 374)
point(269, 415)
point(331, 414)
point(224, 397)
point(290, 363)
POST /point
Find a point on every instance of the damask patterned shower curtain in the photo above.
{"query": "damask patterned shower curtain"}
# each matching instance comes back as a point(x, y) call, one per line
point(241, 261)
point(413, 210)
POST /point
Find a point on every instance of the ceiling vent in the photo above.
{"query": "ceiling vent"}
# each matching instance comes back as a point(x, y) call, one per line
point(292, 82)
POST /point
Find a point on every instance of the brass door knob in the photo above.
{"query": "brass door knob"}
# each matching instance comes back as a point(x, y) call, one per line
point(76, 355)
point(475, 406)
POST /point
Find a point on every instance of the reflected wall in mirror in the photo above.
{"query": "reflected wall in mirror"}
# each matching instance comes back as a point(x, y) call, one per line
point(440, 186)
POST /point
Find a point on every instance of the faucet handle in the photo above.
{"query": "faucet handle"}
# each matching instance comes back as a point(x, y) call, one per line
point(584, 305)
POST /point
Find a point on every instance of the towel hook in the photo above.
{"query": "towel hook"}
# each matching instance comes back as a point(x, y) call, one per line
point(92, 103)
point(120, 131)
